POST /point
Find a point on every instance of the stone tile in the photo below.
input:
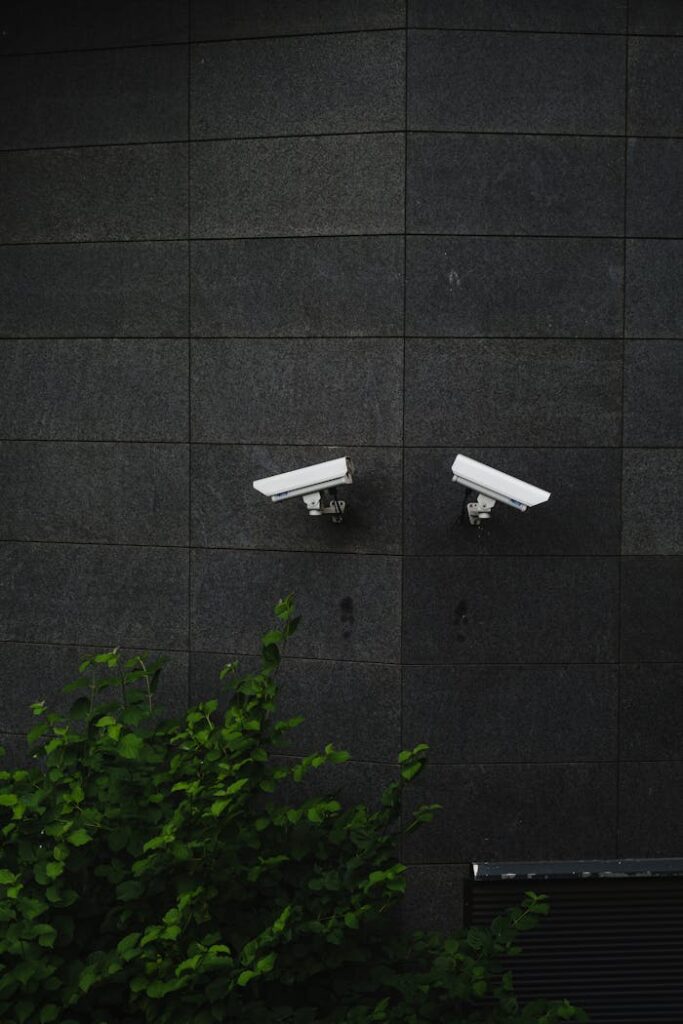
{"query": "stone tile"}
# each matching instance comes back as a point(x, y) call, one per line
point(515, 812)
point(340, 391)
point(33, 25)
point(518, 392)
point(515, 184)
point(657, 16)
point(513, 82)
point(509, 610)
point(91, 99)
point(103, 289)
point(299, 86)
point(581, 517)
point(355, 706)
point(345, 185)
point(434, 897)
point(651, 608)
point(16, 752)
point(523, 15)
point(228, 512)
point(654, 288)
point(93, 595)
point(90, 388)
point(653, 378)
point(114, 493)
point(526, 287)
point(651, 809)
point(90, 194)
point(652, 500)
point(655, 189)
point(214, 19)
point(350, 604)
point(651, 712)
point(512, 713)
point(33, 672)
point(295, 287)
point(352, 782)
point(655, 105)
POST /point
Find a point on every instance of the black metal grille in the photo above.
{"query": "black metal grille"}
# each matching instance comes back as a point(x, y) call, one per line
point(612, 945)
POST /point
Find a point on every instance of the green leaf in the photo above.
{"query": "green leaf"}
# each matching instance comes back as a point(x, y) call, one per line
point(49, 1013)
point(130, 746)
point(8, 799)
point(79, 837)
point(245, 977)
point(105, 720)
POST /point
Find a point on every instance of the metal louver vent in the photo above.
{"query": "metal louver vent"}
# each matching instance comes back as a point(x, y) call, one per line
point(612, 944)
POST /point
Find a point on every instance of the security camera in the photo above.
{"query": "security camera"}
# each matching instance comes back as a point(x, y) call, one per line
point(491, 486)
point(317, 485)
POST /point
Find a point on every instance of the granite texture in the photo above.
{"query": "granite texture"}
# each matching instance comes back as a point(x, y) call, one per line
point(655, 188)
point(94, 594)
point(653, 378)
point(133, 493)
point(651, 606)
point(99, 290)
point(89, 389)
point(525, 812)
point(514, 185)
point(510, 609)
point(655, 103)
point(519, 287)
point(327, 185)
point(235, 19)
point(650, 809)
point(298, 391)
point(651, 712)
point(522, 16)
point(94, 98)
point(33, 25)
point(298, 86)
point(523, 392)
point(350, 603)
point(652, 498)
point(512, 713)
point(654, 296)
point(238, 237)
point(297, 287)
point(94, 194)
point(657, 16)
point(515, 82)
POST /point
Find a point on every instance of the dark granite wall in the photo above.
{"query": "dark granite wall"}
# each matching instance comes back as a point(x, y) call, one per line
point(254, 235)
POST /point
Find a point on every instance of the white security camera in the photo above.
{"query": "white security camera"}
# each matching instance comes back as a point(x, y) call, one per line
point(317, 485)
point(491, 486)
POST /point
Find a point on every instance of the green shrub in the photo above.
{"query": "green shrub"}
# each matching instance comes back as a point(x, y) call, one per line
point(182, 873)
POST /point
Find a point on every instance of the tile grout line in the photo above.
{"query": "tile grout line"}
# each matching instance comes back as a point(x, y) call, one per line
point(325, 135)
point(361, 236)
point(189, 352)
point(620, 573)
point(152, 442)
point(226, 649)
point(403, 408)
point(385, 29)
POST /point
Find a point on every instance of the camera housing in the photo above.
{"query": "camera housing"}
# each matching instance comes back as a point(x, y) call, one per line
point(491, 486)
point(316, 484)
